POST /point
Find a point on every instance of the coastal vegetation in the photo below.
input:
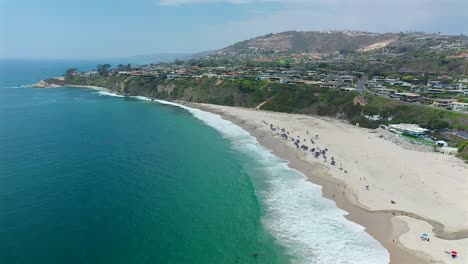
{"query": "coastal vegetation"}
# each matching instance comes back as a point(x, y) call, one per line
point(463, 150)
point(301, 99)
point(354, 107)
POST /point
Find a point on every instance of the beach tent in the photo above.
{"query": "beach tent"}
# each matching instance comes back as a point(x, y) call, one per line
point(441, 143)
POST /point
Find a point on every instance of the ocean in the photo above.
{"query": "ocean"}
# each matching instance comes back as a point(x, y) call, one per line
point(90, 177)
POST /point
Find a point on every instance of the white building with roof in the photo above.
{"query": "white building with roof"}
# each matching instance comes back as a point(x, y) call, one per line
point(459, 106)
point(408, 129)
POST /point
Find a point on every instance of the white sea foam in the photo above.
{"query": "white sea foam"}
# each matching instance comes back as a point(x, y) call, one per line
point(311, 227)
point(107, 93)
point(141, 98)
point(18, 86)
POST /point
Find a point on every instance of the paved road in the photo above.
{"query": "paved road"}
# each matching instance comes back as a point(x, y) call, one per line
point(361, 85)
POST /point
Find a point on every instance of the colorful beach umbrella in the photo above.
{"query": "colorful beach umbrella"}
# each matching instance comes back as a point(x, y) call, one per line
point(425, 235)
point(453, 252)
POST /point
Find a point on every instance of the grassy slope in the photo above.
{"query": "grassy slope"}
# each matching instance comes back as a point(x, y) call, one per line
point(425, 116)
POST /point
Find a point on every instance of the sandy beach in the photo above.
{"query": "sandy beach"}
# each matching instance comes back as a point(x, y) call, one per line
point(396, 193)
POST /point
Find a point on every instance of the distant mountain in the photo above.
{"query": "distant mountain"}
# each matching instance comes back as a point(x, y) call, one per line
point(311, 41)
point(408, 52)
point(157, 58)
point(342, 42)
point(149, 58)
point(200, 54)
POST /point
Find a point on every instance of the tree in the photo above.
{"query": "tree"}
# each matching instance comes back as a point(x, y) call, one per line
point(103, 69)
point(322, 65)
point(122, 67)
point(69, 73)
point(371, 110)
point(437, 124)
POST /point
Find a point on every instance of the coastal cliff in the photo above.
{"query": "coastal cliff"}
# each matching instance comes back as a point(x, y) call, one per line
point(50, 83)
point(262, 95)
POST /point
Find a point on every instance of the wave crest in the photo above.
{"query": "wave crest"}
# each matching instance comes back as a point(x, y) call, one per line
point(310, 226)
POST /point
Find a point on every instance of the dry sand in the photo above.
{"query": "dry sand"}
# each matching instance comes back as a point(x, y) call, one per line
point(430, 190)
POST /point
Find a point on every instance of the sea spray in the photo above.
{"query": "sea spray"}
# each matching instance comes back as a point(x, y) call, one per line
point(103, 91)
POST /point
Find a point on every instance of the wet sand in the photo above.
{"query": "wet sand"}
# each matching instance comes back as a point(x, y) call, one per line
point(387, 224)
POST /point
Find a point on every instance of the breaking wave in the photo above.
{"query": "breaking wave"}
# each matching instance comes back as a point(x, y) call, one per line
point(310, 227)
point(109, 93)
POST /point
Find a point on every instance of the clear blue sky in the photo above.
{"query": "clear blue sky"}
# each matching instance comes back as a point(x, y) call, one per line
point(118, 28)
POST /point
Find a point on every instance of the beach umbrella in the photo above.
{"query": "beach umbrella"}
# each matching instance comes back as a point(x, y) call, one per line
point(425, 235)
point(453, 252)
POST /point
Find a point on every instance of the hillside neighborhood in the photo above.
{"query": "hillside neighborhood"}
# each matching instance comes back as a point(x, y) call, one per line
point(440, 91)
point(414, 67)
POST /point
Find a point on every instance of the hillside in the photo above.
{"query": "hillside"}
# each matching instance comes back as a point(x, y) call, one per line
point(344, 50)
point(310, 41)
point(331, 42)
point(279, 97)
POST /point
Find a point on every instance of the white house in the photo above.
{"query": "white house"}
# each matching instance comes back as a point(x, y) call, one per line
point(459, 106)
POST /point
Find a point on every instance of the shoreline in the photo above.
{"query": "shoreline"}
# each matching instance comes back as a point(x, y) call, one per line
point(50, 86)
point(386, 226)
point(318, 174)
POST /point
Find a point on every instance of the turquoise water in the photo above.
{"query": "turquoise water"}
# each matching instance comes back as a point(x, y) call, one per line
point(91, 178)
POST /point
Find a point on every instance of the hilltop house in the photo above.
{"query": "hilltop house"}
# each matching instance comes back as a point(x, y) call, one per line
point(372, 83)
point(418, 89)
point(459, 106)
point(434, 91)
point(408, 97)
point(347, 78)
point(330, 84)
point(385, 91)
point(443, 102)
point(348, 89)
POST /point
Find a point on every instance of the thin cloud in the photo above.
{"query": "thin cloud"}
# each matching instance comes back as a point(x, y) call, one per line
point(191, 2)
point(334, 3)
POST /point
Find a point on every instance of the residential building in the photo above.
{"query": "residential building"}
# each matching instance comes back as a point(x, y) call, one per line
point(459, 106)
point(408, 97)
point(408, 129)
point(385, 91)
point(443, 102)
